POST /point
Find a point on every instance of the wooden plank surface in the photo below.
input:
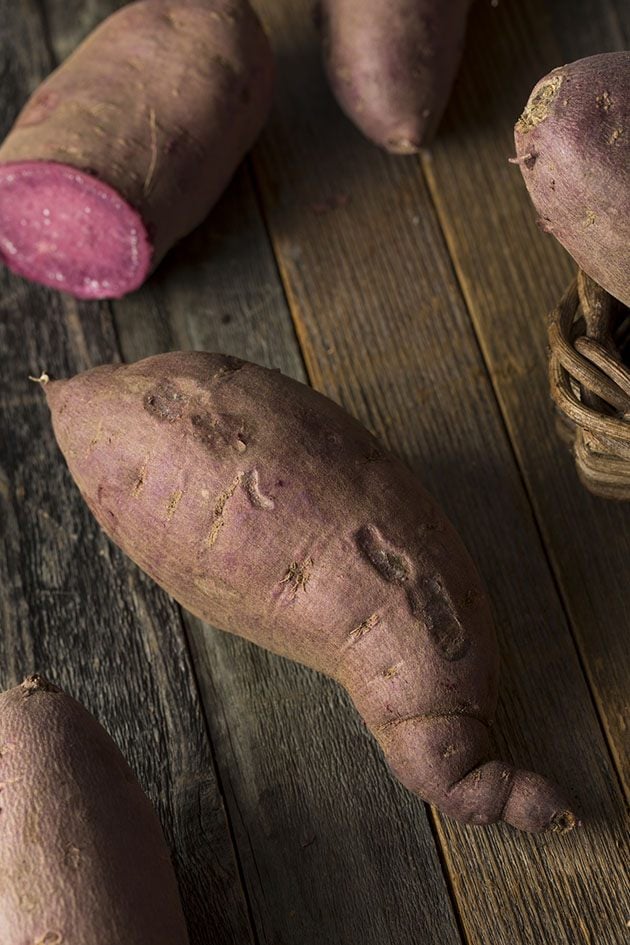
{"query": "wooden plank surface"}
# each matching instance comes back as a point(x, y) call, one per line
point(384, 330)
point(512, 275)
point(332, 849)
point(71, 606)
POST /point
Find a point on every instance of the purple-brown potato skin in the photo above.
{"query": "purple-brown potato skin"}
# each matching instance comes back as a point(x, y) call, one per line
point(266, 510)
point(82, 855)
point(573, 147)
point(160, 102)
point(392, 63)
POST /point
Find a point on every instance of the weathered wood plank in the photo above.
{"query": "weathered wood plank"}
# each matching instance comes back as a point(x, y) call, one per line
point(383, 329)
point(71, 606)
point(512, 274)
point(332, 849)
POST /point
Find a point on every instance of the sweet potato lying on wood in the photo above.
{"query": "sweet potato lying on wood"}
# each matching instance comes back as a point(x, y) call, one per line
point(265, 509)
point(391, 64)
point(573, 147)
point(125, 148)
point(82, 856)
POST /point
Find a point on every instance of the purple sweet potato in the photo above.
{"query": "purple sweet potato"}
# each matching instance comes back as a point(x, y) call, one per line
point(263, 508)
point(126, 147)
point(573, 147)
point(82, 856)
point(392, 63)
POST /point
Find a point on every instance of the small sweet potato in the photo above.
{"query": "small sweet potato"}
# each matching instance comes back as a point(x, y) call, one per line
point(391, 64)
point(126, 147)
point(82, 856)
point(573, 147)
point(265, 509)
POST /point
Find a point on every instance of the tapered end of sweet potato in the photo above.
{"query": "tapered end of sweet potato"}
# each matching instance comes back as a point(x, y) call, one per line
point(441, 757)
point(65, 228)
point(392, 67)
point(536, 804)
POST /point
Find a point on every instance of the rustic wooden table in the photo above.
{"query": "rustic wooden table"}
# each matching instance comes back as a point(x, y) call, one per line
point(413, 291)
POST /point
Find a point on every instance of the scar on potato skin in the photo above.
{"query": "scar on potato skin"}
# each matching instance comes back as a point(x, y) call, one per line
point(459, 712)
point(72, 857)
point(165, 401)
point(37, 683)
point(589, 219)
point(251, 484)
point(391, 564)
point(50, 938)
point(220, 430)
point(429, 601)
point(364, 627)
point(173, 502)
point(298, 575)
point(140, 481)
point(219, 509)
point(604, 101)
point(539, 105)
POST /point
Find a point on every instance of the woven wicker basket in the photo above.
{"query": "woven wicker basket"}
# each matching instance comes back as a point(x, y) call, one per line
point(589, 373)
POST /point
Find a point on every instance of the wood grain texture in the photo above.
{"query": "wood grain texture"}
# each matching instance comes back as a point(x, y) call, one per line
point(71, 606)
point(332, 849)
point(384, 330)
point(512, 275)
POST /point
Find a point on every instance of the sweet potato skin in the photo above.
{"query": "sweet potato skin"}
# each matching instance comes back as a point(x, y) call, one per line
point(391, 65)
point(573, 147)
point(266, 510)
point(82, 855)
point(160, 103)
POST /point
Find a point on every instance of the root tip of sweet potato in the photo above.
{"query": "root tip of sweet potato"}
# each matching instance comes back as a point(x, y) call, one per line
point(536, 805)
point(564, 821)
point(38, 683)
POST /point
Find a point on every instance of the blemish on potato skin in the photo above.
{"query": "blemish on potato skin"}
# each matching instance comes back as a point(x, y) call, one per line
point(298, 575)
point(219, 509)
point(173, 502)
point(364, 627)
point(589, 219)
point(429, 601)
point(391, 564)
point(50, 938)
point(72, 857)
point(251, 484)
point(539, 105)
point(217, 432)
point(604, 101)
point(140, 481)
point(165, 401)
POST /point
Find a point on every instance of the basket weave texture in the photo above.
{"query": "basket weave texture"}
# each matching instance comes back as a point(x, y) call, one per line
point(589, 374)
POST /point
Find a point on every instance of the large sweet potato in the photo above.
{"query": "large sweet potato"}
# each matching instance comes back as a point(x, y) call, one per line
point(82, 856)
point(126, 147)
point(391, 64)
point(573, 146)
point(265, 509)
